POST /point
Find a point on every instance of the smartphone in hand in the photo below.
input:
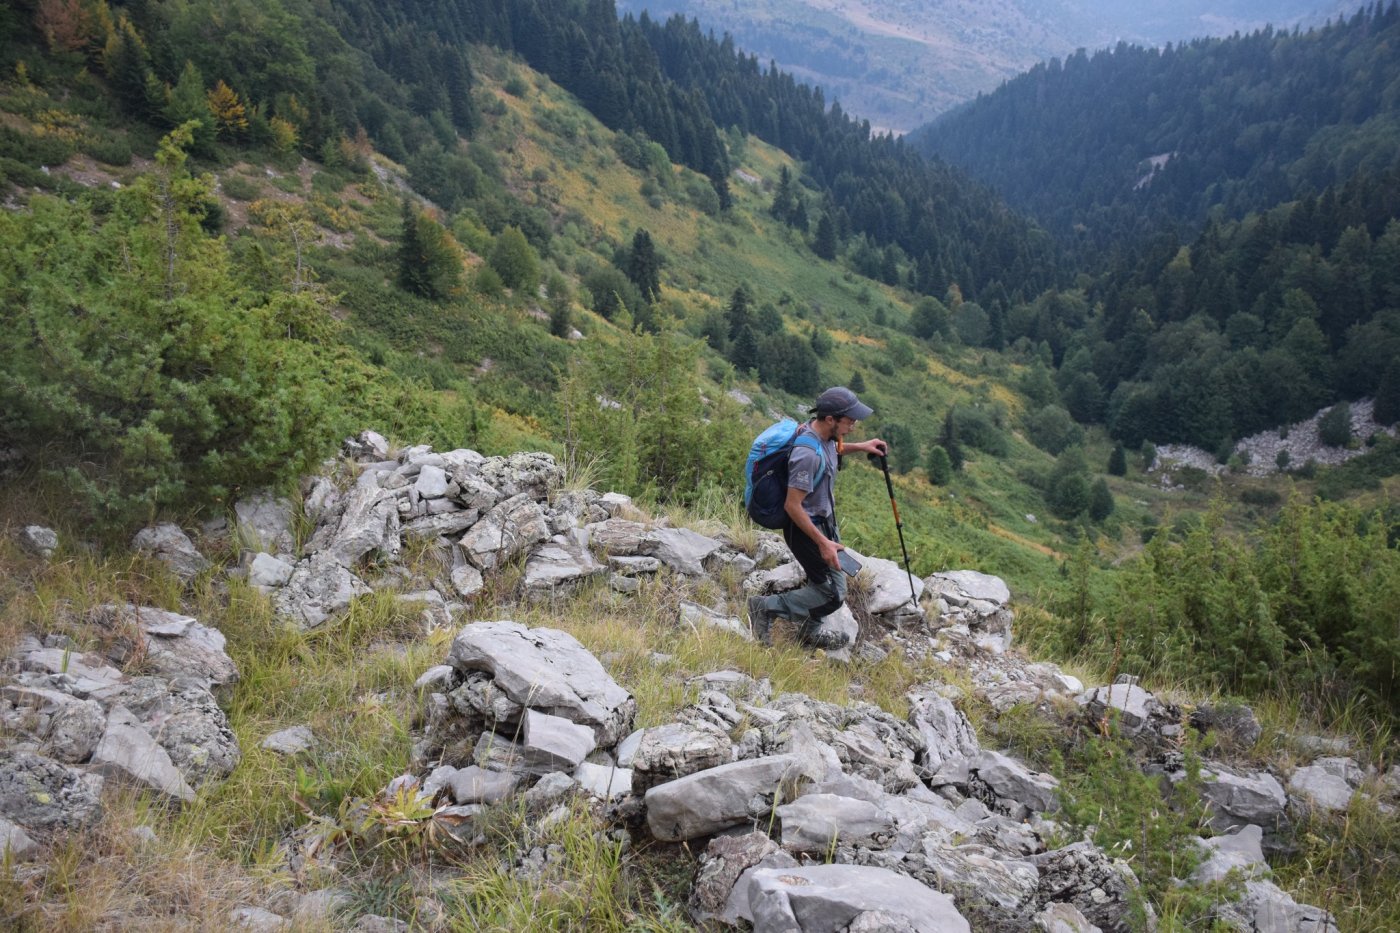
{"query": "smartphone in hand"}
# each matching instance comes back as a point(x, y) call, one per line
point(848, 562)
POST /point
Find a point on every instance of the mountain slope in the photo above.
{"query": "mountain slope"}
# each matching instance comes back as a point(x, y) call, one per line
point(1103, 145)
point(898, 63)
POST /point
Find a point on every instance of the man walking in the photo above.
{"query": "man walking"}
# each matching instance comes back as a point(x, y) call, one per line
point(810, 529)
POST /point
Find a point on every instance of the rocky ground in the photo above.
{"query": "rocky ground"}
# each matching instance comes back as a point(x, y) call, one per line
point(1260, 452)
point(809, 815)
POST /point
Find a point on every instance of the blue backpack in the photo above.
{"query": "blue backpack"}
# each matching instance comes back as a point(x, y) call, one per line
point(766, 472)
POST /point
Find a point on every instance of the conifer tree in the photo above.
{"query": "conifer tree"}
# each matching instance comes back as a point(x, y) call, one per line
point(1100, 501)
point(643, 266)
point(824, 242)
point(948, 439)
point(940, 468)
point(1118, 461)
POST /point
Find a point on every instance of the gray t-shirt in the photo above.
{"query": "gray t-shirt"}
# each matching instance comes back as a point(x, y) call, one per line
point(820, 502)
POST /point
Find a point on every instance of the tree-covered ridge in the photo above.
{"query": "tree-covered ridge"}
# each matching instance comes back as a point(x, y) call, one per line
point(1109, 145)
point(292, 75)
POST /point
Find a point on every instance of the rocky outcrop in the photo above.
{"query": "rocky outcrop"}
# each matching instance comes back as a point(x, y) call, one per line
point(71, 719)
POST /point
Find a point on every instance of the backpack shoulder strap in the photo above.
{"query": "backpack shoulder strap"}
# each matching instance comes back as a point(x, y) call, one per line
point(810, 441)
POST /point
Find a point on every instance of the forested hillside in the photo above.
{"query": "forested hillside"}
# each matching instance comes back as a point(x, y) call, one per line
point(1104, 147)
point(234, 234)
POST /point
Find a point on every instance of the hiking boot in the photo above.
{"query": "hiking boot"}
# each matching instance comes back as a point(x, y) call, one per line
point(760, 620)
point(826, 640)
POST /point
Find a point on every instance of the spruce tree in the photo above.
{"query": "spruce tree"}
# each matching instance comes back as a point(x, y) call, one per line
point(643, 266)
point(1100, 501)
point(948, 440)
point(1387, 409)
point(940, 468)
point(824, 242)
point(1118, 461)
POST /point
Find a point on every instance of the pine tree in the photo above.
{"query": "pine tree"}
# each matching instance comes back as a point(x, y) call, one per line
point(1118, 461)
point(824, 242)
point(948, 440)
point(940, 468)
point(1387, 409)
point(1100, 501)
point(643, 266)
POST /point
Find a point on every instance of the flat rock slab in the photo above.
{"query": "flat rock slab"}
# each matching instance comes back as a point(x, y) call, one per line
point(819, 822)
point(547, 670)
point(289, 741)
point(128, 751)
point(1318, 787)
point(827, 898)
point(704, 803)
point(959, 586)
point(891, 586)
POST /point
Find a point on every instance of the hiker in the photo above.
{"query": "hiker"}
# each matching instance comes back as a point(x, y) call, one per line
point(810, 525)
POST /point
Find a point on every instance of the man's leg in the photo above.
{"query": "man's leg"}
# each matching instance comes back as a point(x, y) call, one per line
point(808, 605)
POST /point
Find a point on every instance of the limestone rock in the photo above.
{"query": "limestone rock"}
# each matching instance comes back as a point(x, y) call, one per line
point(68, 727)
point(1240, 851)
point(547, 670)
point(291, 741)
point(171, 546)
point(368, 523)
point(38, 540)
point(1317, 786)
point(1237, 800)
point(558, 567)
point(709, 801)
point(672, 751)
point(320, 587)
point(264, 522)
point(15, 842)
point(946, 732)
point(38, 793)
point(533, 474)
point(681, 549)
point(267, 573)
point(1014, 784)
point(174, 645)
point(128, 751)
point(817, 823)
point(1134, 705)
point(698, 617)
point(721, 864)
point(827, 898)
point(889, 586)
point(1083, 875)
point(603, 781)
point(511, 528)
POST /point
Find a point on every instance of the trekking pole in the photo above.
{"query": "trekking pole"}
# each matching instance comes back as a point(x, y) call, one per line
point(898, 525)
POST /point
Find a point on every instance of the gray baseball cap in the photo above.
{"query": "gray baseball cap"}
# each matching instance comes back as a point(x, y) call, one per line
point(842, 402)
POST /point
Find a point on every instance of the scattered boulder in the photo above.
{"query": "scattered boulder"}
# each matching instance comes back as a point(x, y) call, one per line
point(1101, 888)
point(1327, 784)
point(675, 750)
point(264, 521)
point(320, 587)
point(38, 793)
point(291, 741)
point(829, 898)
point(171, 546)
point(38, 540)
point(128, 751)
point(708, 801)
point(1237, 800)
point(509, 529)
point(547, 670)
point(1241, 852)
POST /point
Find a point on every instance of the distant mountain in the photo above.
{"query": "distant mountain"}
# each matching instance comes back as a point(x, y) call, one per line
point(1101, 147)
point(899, 63)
